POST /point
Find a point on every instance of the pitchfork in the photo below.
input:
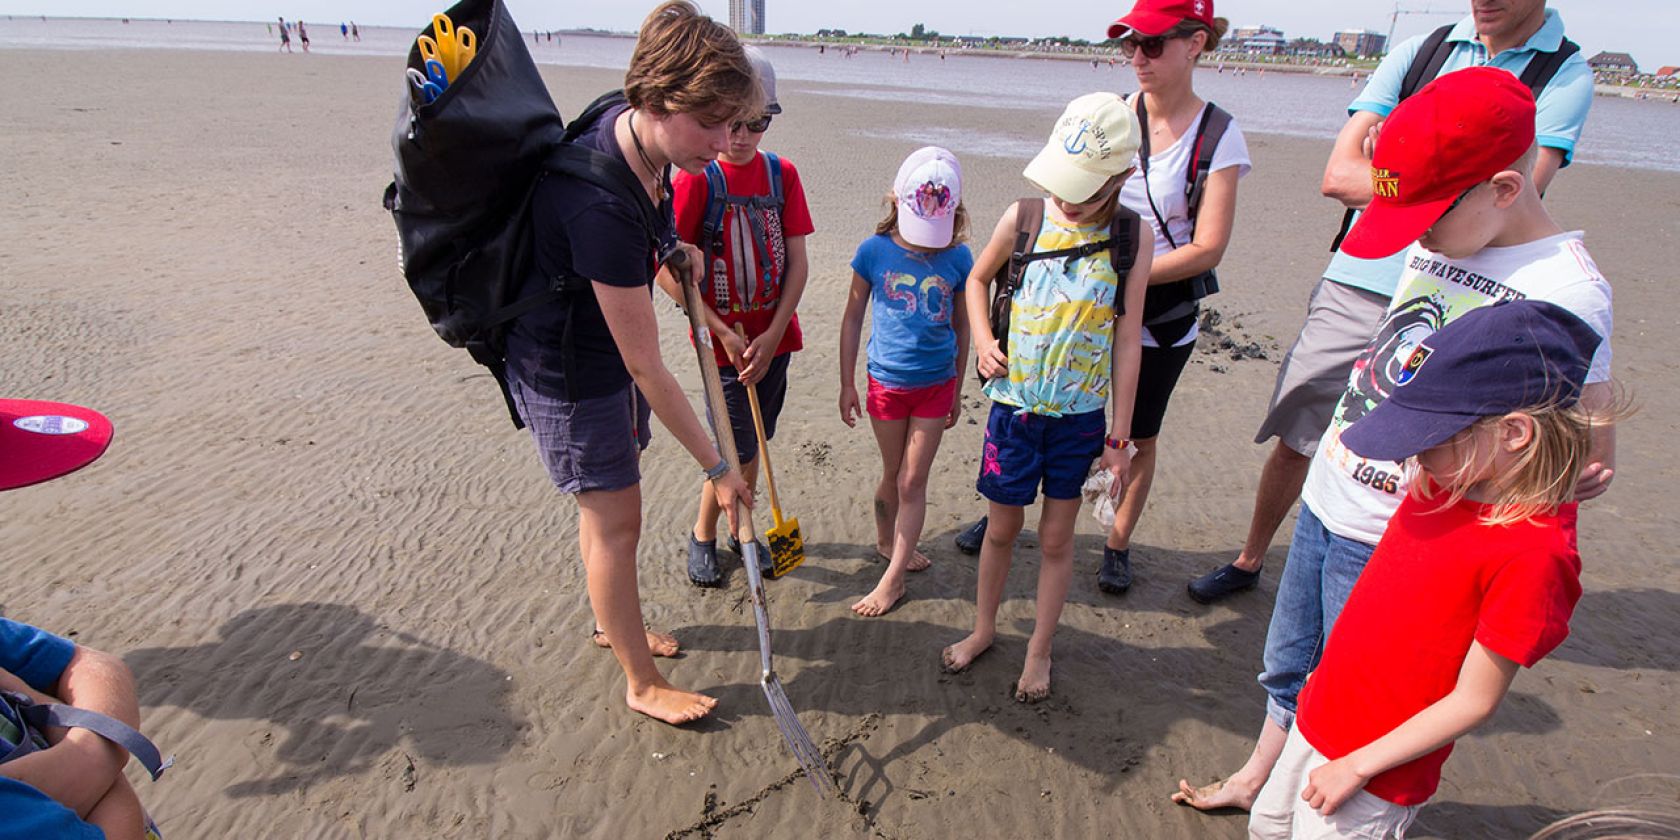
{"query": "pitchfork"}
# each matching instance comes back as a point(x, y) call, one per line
point(717, 412)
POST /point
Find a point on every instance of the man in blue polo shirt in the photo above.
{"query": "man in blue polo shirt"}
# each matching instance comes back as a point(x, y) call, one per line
point(1349, 302)
point(76, 785)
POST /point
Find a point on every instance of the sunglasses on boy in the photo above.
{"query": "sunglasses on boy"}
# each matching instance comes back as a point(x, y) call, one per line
point(756, 126)
point(1151, 46)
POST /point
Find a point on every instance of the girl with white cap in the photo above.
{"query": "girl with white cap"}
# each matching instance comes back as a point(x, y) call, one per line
point(911, 275)
point(1059, 348)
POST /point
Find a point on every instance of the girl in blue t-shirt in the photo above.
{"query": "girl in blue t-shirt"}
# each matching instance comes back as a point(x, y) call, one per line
point(911, 275)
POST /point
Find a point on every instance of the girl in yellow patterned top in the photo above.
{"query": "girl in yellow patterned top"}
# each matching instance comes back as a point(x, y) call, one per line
point(1074, 340)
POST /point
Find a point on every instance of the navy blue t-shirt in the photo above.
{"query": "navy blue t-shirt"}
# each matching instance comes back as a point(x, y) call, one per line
point(581, 230)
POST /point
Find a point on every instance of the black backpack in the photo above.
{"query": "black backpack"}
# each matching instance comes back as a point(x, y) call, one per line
point(467, 165)
point(1432, 55)
point(1167, 302)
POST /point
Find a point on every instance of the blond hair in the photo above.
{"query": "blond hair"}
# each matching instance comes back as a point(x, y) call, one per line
point(959, 225)
point(687, 63)
point(1544, 475)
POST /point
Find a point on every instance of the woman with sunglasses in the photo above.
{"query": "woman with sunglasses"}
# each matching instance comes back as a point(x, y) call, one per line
point(1164, 40)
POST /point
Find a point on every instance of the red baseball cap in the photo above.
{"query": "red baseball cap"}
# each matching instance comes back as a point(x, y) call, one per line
point(1458, 131)
point(1155, 17)
point(44, 440)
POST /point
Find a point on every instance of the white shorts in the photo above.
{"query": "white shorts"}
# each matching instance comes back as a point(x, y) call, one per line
point(1279, 813)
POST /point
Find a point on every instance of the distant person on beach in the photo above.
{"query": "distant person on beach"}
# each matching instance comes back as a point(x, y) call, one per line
point(73, 785)
point(1189, 214)
point(285, 36)
point(303, 36)
point(1348, 303)
point(1068, 350)
point(1457, 165)
point(747, 214)
point(1475, 579)
point(585, 373)
point(344, 30)
point(355, 33)
point(909, 276)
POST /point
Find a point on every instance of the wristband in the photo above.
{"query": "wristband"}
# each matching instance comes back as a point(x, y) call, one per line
point(718, 471)
point(1116, 443)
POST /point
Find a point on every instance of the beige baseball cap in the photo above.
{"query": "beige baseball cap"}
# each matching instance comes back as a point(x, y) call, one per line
point(1096, 139)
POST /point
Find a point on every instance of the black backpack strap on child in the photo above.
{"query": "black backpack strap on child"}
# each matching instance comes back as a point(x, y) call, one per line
point(1178, 300)
point(1432, 55)
point(1122, 245)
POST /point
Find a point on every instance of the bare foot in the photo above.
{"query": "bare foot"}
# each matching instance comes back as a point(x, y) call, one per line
point(670, 704)
point(659, 644)
point(959, 656)
point(882, 599)
point(1034, 684)
point(918, 561)
point(1224, 794)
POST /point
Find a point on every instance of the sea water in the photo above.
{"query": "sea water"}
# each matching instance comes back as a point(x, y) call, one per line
point(1619, 132)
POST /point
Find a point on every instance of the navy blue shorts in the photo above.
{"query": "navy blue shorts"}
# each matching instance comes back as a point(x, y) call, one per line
point(594, 443)
point(772, 392)
point(1023, 450)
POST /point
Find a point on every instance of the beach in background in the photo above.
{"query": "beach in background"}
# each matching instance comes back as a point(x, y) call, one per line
point(354, 603)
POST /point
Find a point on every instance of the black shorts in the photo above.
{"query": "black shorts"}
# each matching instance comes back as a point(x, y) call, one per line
point(772, 391)
point(1158, 373)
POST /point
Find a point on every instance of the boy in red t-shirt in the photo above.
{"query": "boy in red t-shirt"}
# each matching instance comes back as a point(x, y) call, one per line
point(748, 216)
point(1476, 576)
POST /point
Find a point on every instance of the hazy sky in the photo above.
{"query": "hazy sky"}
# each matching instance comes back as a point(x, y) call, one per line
point(1648, 29)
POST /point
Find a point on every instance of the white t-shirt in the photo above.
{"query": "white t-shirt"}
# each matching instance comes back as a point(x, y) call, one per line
point(1355, 497)
point(1167, 170)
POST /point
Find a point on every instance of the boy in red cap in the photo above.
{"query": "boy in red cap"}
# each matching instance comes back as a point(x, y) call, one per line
point(1452, 171)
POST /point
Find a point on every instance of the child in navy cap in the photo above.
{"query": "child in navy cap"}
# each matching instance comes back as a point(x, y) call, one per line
point(1476, 575)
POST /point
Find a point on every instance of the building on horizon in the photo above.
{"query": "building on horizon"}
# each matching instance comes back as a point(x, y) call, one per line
point(1361, 42)
point(1257, 40)
point(1614, 64)
point(746, 17)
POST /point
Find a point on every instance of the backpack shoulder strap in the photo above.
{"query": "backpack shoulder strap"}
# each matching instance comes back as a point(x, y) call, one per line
point(1125, 232)
point(717, 197)
point(593, 112)
point(1214, 123)
point(1427, 64)
point(1029, 217)
point(1544, 67)
point(773, 165)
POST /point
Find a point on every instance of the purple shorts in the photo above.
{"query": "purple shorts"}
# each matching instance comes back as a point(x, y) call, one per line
point(589, 444)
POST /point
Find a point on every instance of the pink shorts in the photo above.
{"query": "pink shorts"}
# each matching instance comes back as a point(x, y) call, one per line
point(927, 402)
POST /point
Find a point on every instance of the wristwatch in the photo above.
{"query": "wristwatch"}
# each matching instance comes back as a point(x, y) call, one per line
point(718, 471)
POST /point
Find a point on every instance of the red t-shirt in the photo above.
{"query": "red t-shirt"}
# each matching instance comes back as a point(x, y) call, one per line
point(1438, 580)
point(743, 282)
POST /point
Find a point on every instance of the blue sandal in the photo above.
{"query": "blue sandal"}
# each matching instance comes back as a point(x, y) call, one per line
point(969, 539)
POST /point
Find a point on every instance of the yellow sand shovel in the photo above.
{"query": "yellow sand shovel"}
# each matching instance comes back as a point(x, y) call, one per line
point(787, 545)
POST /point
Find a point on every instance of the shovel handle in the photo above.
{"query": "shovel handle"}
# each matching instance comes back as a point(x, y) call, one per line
point(763, 442)
point(717, 411)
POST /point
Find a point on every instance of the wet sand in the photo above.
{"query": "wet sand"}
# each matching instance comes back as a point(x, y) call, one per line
point(354, 602)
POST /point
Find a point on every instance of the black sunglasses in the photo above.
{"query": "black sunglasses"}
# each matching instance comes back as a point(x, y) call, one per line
point(1460, 200)
point(1151, 47)
point(757, 126)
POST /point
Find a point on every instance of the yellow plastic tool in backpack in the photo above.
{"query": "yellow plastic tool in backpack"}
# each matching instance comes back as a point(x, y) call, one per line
point(450, 46)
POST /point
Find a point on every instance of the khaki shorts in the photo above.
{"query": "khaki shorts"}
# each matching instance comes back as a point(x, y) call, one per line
point(1279, 813)
point(1340, 321)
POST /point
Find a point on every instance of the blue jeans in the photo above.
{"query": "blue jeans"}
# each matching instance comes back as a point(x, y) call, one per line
point(1317, 578)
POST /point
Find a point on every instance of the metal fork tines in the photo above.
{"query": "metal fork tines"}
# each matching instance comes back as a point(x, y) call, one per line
point(798, 740)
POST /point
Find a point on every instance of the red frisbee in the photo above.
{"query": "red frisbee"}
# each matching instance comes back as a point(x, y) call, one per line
point(44, 440)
